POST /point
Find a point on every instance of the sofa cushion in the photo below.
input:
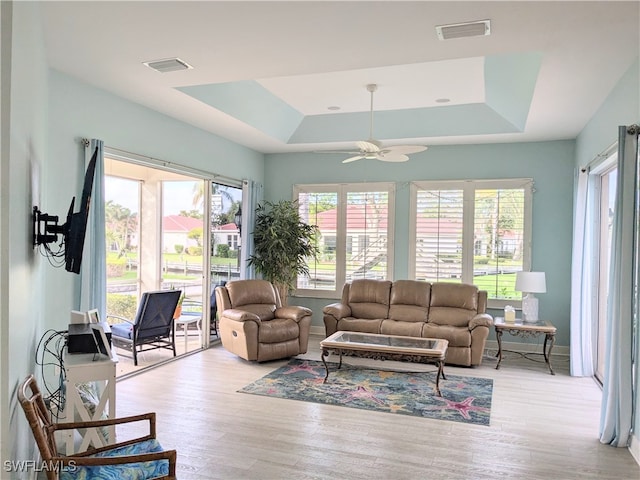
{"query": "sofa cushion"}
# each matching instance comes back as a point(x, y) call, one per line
point(453, 304)
point(397, 327)
point(409, 301)
point(278, 330)
point(457, 336)
point(369, 298)
point(460, 295)
point(263, 311)
point(351, 324)
point(248, 292)
point(122, 330)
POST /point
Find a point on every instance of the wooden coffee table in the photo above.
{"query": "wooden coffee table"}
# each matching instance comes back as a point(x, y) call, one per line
point(431, 349)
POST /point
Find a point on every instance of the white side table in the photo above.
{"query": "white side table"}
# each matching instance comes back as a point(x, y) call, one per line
point(81, 368)
point(185, 321)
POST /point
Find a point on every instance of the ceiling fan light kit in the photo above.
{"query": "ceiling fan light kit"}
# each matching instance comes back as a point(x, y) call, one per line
point(372, 149)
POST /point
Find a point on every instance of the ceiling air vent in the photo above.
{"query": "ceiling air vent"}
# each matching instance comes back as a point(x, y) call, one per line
point(168, 65)
point(460, 30)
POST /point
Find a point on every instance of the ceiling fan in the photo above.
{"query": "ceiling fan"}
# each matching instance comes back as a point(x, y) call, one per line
point(373, 150)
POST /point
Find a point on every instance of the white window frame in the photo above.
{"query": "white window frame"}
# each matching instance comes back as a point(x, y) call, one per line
point(342, 189)
point(469, 187)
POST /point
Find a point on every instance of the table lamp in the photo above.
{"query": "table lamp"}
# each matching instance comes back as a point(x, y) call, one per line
point(530, 283)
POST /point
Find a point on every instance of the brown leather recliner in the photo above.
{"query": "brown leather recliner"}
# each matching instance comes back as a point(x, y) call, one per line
point(254, 325)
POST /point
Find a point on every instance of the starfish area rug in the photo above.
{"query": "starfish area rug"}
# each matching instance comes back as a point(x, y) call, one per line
point(464, 399)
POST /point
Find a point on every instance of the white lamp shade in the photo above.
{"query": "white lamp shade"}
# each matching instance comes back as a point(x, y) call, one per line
point(531, 282)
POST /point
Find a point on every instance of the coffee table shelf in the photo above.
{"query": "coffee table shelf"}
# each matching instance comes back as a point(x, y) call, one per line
point(431, 349)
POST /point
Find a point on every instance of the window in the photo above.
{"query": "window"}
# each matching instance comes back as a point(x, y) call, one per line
point(606, 184)
point(355, 234)
point(476, 231)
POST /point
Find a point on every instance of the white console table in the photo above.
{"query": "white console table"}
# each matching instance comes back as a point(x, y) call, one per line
point(82, 368)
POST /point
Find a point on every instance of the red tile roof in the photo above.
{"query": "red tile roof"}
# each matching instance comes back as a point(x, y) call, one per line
point(178, 223)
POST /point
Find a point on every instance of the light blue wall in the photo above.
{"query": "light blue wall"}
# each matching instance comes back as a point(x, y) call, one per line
point(550, 164)
point(24, 154)
point(77, 110)
point(622, 107)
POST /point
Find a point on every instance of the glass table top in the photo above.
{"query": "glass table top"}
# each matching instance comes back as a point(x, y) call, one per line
point(383, 342)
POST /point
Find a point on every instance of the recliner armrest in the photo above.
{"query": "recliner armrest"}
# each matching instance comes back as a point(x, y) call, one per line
point(481, 320)
point(337, 310)
point(293, 312)
point(240, 315)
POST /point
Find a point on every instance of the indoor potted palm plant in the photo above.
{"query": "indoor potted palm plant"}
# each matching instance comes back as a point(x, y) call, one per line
point(283, 244)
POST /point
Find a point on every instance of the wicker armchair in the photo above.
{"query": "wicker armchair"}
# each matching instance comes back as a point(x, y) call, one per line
point(140, 458)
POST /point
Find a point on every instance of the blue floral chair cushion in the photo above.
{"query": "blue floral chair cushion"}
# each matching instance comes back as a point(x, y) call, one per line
point(131, 471)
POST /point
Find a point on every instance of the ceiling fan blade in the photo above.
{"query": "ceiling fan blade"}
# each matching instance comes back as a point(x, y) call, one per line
point(405, 149)
point(368, 146)
point(392, 157)
point(352, 159)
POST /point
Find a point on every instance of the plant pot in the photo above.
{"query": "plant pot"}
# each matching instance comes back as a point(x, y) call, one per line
point(177, 312)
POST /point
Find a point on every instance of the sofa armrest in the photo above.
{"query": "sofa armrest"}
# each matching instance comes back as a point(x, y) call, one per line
point(292, 313)
point(337, 310)
point(240, 315)
point(481, 320)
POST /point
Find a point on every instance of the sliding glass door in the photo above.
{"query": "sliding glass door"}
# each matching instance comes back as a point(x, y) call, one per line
point(169, 229)
point(226, 245)
point(606, 180)
point(157, 233)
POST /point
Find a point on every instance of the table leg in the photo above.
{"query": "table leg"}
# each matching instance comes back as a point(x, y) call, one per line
point(184, 332)
point(547, 354)
point(325, 352)
point(438, 375)
point(499, 338)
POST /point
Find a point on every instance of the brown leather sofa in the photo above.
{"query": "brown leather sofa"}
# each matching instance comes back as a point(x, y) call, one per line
point(451, 311)
point(254, 325)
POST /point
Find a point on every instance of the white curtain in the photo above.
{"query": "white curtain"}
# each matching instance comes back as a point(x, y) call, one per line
point(583, 307)
point(622, 309)
point(251, 196)
point(93, 274)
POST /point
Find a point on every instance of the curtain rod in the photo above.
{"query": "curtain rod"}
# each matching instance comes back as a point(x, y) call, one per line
point(145, 159)
point(606, 153)
point(631, 130)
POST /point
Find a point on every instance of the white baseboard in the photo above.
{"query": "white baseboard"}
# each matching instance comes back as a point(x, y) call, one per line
point(317, 330)
point(634, 448)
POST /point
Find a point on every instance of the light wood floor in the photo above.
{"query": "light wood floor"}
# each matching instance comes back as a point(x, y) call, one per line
point(150, 358)
point(542, 426)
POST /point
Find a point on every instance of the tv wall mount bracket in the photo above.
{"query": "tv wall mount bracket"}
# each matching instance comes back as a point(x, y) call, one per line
point(45, 228)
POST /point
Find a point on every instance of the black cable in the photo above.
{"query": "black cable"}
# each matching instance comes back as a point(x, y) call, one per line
point(55, 258)
point(50, 353)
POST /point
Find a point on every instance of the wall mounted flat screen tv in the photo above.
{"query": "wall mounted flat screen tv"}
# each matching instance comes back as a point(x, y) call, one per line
point(74, 230)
